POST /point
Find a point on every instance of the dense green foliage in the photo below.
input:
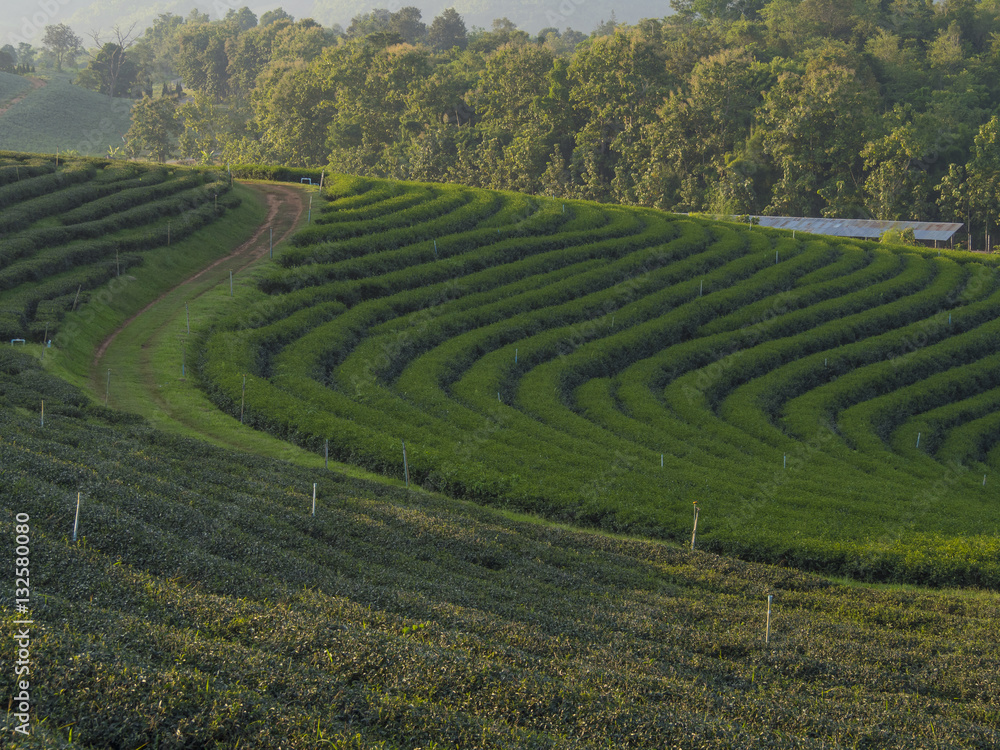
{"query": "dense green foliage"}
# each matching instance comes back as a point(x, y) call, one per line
point(864, 108)
point(610, 366)
point(203, 605)
point(67, 230)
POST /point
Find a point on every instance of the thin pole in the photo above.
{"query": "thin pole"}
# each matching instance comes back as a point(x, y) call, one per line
point(694, 531)
point(326, 455)
point(406, 468)
point(186, 310)
point(767, 632)
point(271, 251)
point(76, 521)
point(230, 283)
point(118, 266)
point(243, 398)
point(43, 424)
point(314, 498)
point(107, 388)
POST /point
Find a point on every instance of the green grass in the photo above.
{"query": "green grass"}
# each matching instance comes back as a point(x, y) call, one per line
point(63, 117)
point(12, 86)
point(203, 605)
point(611, 366)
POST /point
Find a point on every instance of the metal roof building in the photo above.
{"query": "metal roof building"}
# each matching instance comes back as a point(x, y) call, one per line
point(870, 229)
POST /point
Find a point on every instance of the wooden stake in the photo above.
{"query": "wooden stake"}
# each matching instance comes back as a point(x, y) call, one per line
point(406, 468)
point(767, 631)
point(77, 297)
point(76, 521)
point(694, 531)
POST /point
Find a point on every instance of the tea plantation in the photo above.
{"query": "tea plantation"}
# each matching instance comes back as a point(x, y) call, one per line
point(204, 605)
point(827, 404)
point(588, 363)
point(69, 228)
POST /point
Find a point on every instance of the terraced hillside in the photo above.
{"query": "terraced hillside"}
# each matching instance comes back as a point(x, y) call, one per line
point(203, 604)
point(69, 228)
point(825, 403)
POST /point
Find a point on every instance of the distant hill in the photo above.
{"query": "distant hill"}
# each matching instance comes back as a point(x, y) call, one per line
point(62, 117)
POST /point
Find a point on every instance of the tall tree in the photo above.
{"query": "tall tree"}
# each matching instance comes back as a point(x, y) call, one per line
point(154, 128)
point(447, 31)
point(62, 43)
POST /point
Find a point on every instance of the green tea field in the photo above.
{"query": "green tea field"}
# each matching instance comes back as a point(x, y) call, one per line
point(60, 117)
point(827, 404)
point(205, 604)
point(571, 380)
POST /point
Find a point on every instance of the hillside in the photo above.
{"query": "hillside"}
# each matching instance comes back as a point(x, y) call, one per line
point(204, 605)
point(199, 598)
point(62, 117)
point(825, 403)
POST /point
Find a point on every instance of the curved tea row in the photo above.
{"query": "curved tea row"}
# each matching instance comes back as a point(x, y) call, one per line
point(612, 366)
point(69, 226)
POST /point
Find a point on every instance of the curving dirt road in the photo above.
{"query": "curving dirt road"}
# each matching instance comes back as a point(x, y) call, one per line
point(286, 206)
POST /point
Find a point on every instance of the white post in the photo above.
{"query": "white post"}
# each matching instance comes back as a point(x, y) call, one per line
point(661, 460)
point(694, 531)
point(701, 288)
point(984, 480)
point(767, 632)
point(107, 388)
point(784, 462)
point(515, 355)
point(243, 398)
point(230, 283)
point(271, 250)
point(186, 310)
point(43, 424)
point(314, 498)
point(326, 455)
point(918, 439)
point(76, 521)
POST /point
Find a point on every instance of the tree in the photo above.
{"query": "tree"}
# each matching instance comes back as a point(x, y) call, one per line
point(983, 172)
point(447, 31)
point(25, 54)
point(154, 128)
point(7, 61)
point(241, 20)
point(110, 72)
point(62, 43)
point(406, 22)
point(272, 16)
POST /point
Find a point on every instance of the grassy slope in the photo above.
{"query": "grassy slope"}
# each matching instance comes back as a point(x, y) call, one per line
point(64, 117)
point(204, 606)
point(11, 86)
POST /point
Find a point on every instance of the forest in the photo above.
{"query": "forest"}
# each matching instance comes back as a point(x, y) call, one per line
point(880, 109)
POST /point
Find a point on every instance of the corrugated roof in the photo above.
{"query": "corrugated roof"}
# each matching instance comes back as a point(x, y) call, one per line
point(864, 228)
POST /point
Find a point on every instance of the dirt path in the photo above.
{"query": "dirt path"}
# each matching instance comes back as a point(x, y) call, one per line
point(282, 201)
point(36, 83)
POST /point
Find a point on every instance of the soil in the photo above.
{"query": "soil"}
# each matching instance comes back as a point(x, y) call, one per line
point(282, 200)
